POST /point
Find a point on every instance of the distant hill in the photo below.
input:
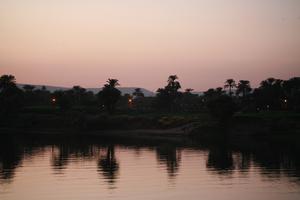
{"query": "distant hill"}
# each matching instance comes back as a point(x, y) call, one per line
point(124, 90)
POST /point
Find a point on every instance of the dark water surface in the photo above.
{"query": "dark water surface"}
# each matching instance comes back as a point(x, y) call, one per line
point(45, 169)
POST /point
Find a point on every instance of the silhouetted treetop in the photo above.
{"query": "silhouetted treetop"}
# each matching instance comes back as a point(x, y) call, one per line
point(109, 95)
point(138, 93)
point(112, 83)
point(7, 81)
point(230, 84)
point(243, 88)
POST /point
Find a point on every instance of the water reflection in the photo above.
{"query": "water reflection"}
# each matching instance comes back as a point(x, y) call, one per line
point(170, 156)
point(11, 156)
point(108, 165)
point(63, 153)
point(273, 162)
point(220, 159)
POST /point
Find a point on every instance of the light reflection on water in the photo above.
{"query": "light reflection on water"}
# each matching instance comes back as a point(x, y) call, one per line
point(89, 170)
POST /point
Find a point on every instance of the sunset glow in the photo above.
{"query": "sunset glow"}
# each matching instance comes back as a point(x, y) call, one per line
point(139, 42)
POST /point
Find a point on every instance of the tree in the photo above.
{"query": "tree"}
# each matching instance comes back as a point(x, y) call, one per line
point(29, 95)
point(138, 93)
point(190, 102)
point(166, 97)
point(42, 96)
point(222, 108)
point(7, 81)
point(243, 88)
point(291, 89)
point(110, 95)
point(211, 93)
point(173, 85)
point(78, 94)
point(230, 84)
point(11, 97)
point(28, 88)
point(269, 94)
point(62, 100)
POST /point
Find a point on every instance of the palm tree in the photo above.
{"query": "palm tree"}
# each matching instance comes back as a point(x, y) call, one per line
point(230, 83)
point(173, 84)
point(270, 93)
point(243, 88)
point(167, 96)
point(110, 95)
point(112, 82)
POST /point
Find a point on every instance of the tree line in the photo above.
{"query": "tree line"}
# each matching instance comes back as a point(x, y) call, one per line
point(221, 102)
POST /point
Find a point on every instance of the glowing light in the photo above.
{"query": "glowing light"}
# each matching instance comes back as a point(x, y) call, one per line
point(130, 100)
point(285, 100)
point(53, 100)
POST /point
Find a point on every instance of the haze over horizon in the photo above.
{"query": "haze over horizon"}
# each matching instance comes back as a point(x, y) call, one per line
point(141, 43)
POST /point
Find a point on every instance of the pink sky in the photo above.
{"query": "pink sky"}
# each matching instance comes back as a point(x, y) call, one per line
point(142, 42)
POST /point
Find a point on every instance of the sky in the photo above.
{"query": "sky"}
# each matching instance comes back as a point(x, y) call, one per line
point(142, 42)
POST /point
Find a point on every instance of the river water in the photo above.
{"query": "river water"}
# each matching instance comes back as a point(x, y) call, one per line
point(36, 169)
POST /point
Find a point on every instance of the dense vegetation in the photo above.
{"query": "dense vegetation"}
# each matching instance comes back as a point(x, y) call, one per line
point(81, 109)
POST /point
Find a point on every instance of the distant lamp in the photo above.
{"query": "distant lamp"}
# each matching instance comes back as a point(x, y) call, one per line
point(129, 100)
point(53, 100)
point(285, 100)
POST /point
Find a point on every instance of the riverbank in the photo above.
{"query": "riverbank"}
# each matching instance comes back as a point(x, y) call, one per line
point(243, 127)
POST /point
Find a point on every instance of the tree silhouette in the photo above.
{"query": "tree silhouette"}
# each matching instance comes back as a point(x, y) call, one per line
point(243, 88)
point(28, 88)
point(222, 107)
point(78, 95)
point(292, 92)
point(110, 95)
point(7, 81)
point(138, 93)
point(29, 95)
point(212, 94)
point(230, 84)
point(167, 96)
point(11, 97)
point(269, 94)
point(173, 85)
point(62, 100)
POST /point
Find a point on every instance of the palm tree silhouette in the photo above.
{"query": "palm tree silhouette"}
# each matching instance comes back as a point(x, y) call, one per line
point(230, 84)
point(110, 95)
point(243, 88)
point(112, 82)
point(173, 84)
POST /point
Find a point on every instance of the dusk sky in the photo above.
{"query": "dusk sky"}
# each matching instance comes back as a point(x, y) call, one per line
point(142, 42)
